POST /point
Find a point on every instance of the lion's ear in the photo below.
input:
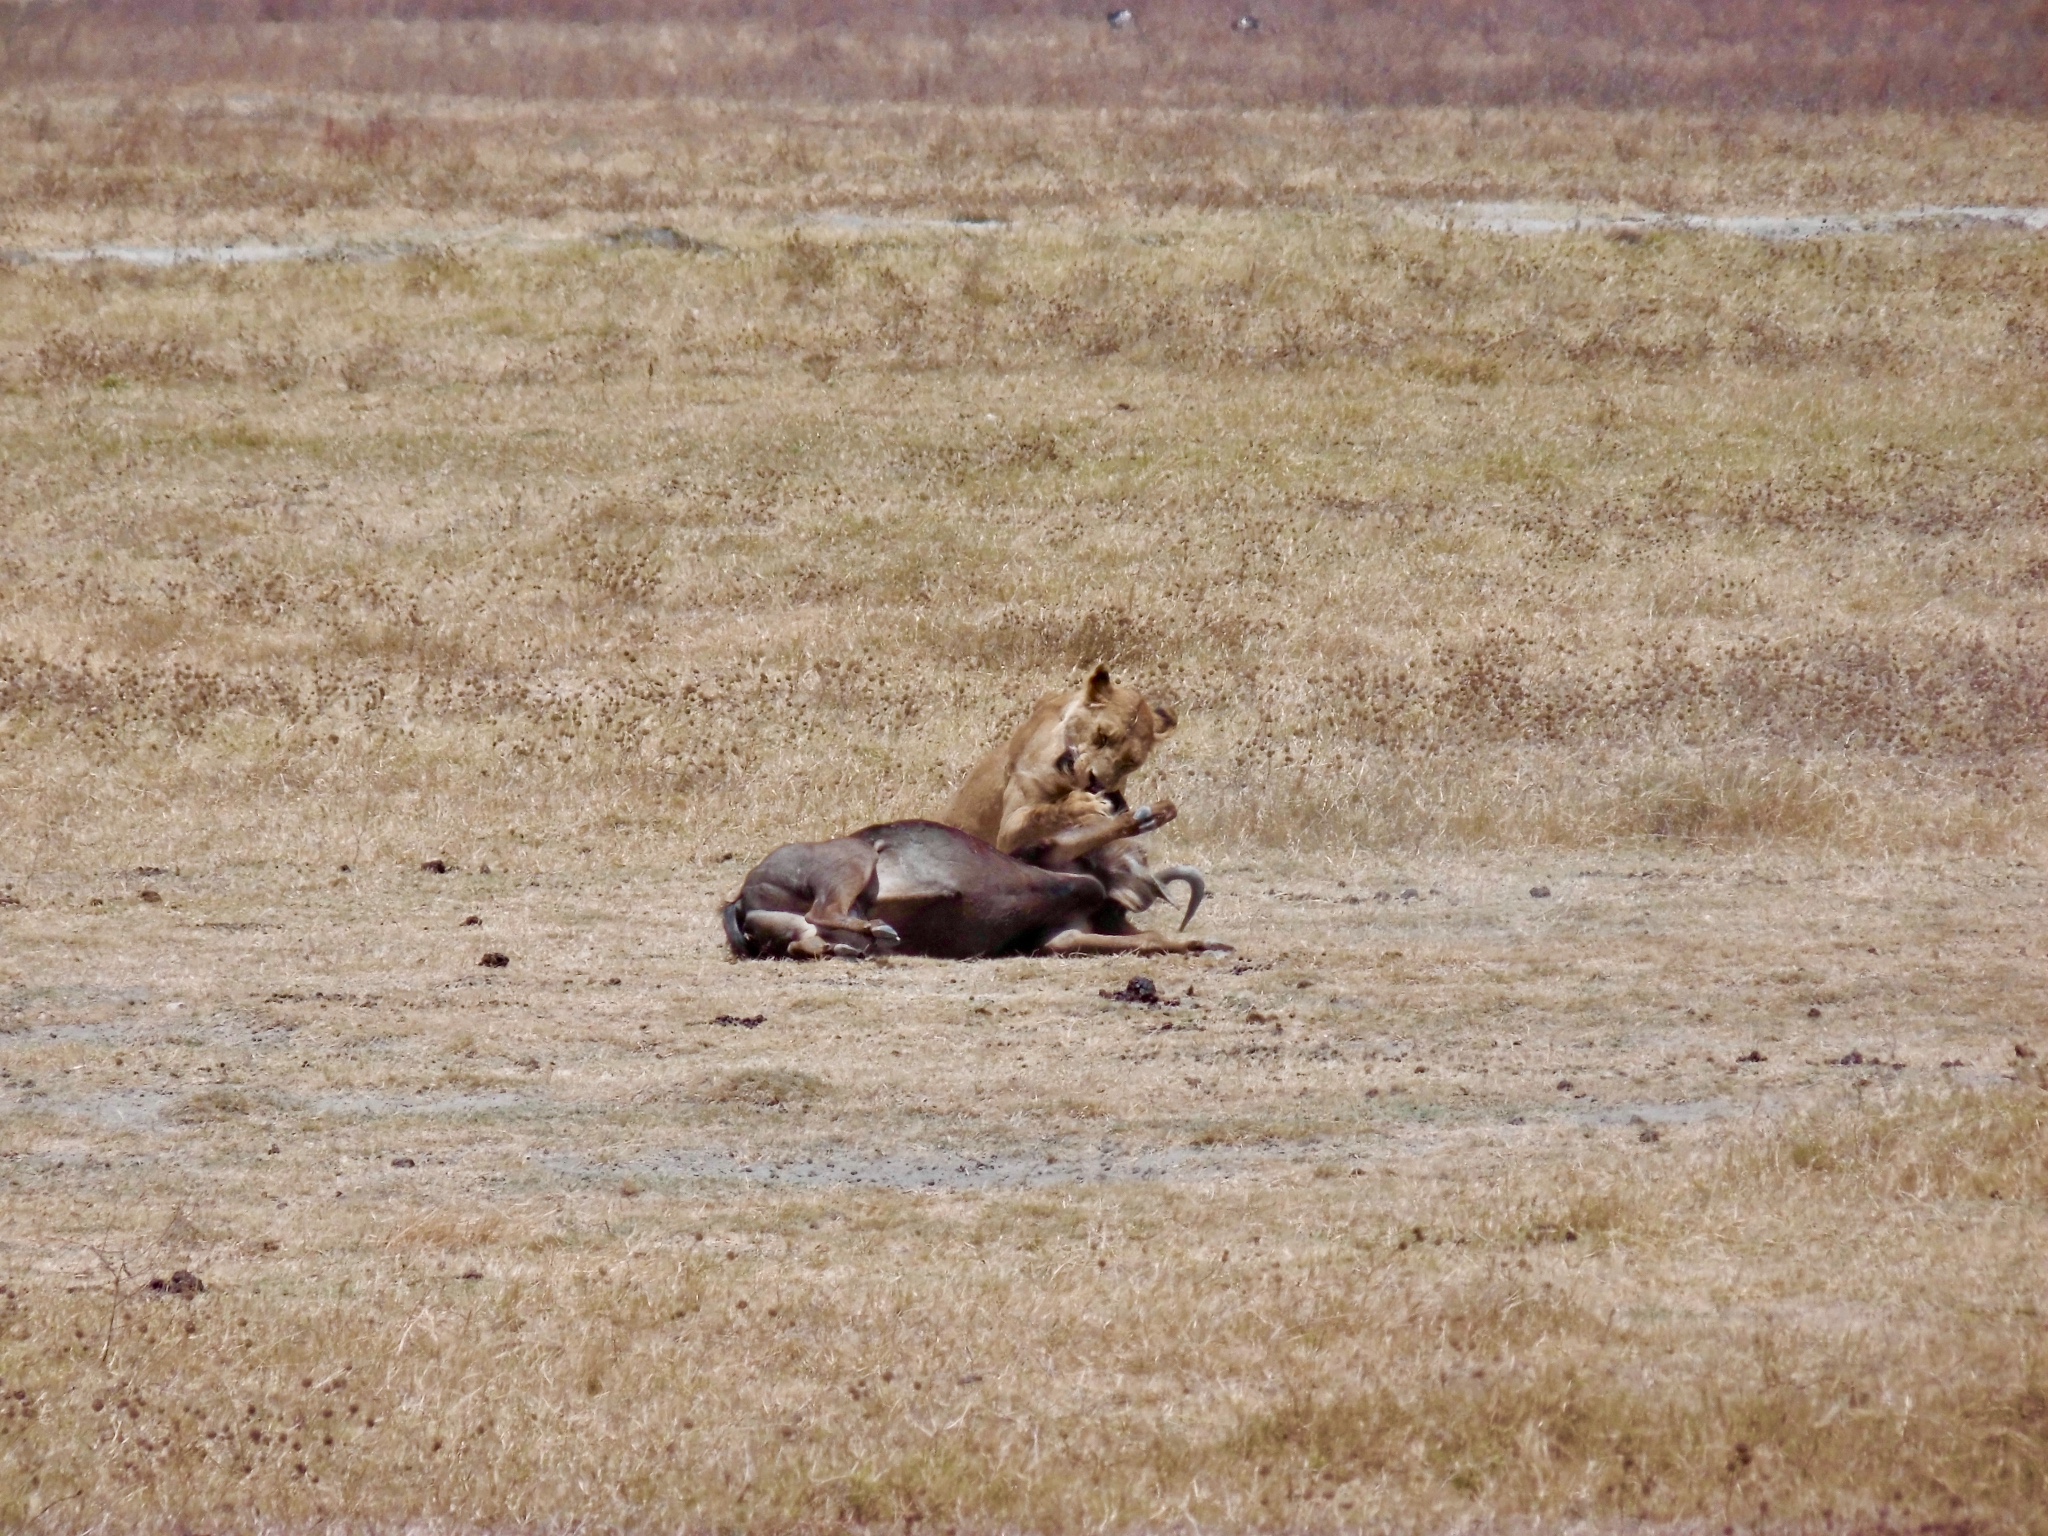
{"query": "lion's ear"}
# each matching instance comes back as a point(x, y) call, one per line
point(1098, 683)
point(1163, 720)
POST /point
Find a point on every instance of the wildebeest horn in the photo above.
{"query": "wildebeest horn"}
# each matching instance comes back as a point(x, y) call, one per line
point(1181, 874)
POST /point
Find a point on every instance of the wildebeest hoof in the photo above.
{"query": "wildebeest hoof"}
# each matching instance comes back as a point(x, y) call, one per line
point(1150, 818)
point(882, 933)
point(847, 952)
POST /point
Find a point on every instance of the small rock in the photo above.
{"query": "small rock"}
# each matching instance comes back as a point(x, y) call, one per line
point(1140, 989)
point(1564, 1085)
point(1539, 891)
point(1648, 1134)
point(2022, 1050)
point(148, 894)
point(495, 960)
point(1854, 1059)
point(740, 1021)
point(435, 867)
point(1754, 1056)
point(1410, 894)
point(1813, 1013)
point(471, 921)
point(182, 1283)
point(403, 1162)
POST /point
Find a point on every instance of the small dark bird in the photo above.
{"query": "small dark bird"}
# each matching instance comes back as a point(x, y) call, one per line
point(1245, 24)
point(1121, 19)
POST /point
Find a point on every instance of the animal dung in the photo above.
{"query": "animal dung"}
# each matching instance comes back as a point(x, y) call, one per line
point(495, 960)
point(182, 1283)
point(435, 867)
point(1140, 989)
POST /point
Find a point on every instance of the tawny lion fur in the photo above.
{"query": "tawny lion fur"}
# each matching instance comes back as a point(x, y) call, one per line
point(1064, 767)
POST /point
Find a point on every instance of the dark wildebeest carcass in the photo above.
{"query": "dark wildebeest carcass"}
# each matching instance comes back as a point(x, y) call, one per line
point(924, 889)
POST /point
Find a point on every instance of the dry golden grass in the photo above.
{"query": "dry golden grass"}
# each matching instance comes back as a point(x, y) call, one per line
point(1695, 580)
point(1436, 535)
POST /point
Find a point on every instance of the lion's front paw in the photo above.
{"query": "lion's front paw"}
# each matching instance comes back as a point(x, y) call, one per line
point(1083, 805)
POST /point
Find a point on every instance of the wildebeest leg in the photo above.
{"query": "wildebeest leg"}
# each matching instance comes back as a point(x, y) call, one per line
point(786, 931)
point(849, 884)
point(1077, 941)
point(807, 900)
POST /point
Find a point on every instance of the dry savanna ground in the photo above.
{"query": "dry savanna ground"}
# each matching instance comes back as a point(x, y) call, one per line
point(632, 487)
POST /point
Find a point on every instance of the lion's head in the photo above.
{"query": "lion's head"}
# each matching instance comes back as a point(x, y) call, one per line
point(1109, 731)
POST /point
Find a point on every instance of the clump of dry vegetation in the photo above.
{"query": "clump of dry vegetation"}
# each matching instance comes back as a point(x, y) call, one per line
point(1615, 718)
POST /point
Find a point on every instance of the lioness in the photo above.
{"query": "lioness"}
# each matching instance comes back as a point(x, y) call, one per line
point(1063, 768)
point(1047, 794)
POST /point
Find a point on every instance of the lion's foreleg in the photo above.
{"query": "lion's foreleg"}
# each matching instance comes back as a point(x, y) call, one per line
point(1073, 827)
point(1077, 843)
